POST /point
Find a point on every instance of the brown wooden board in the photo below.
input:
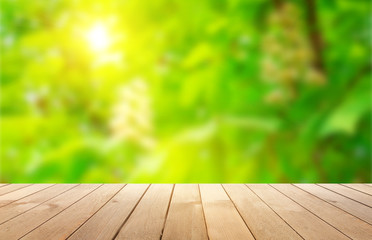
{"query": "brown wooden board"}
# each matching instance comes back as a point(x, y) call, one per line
point(185, 211)
point(261, 219)
point(185, 218)
point(22, 205)
point(108, 220)
point(304, 222)
point(66, 222)
point(348, 224)
point(28, 221)
point(355, 208)
point(222, 219)
point(147, 220)
point(360, 187)
point(350, 193)
point(21, 193)
point(11, 187)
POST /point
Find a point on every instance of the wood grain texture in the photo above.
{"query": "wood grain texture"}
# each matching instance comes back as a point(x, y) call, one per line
point(108, 220)
point(261, 219)
point(350, 193)
point(66, 222)
point(222, 219)
point(24, 223)
point(304, 222)
point(360, 187)
point(11, 187)
point(343, 221)
point(185, 219)
point(147, 220)
point(359, 210)
point(185, 211)
point(21, 193)
point(20, 206)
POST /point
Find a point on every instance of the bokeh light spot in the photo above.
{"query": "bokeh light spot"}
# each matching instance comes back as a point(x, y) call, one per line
point(98, 37)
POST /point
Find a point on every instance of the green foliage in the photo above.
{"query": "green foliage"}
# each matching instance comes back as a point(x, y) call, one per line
point(185, 91)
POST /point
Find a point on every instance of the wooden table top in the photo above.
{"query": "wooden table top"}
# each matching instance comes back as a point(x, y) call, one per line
point(185, 211)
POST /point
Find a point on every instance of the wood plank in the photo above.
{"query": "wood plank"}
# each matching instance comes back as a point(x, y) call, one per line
point(185, 218)
point(359, 210)
point(304, 222)
point(20, 206)
point(12, 187)
point(3, 184)
point(350, 193)
point(65, 223)
point(107, 221)
point(232, 211)
point(348, 224)
point(26, 222)
point(147, 219)
point(360, 187)
point(262, 221)
point(21, 193)
point(222, 218)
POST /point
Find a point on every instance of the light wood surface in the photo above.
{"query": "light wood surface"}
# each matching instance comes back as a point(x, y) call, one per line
point(259, 216)
point(31, 220)
point(185, 218)
point(21, 193)
point(65, 223)
point(350, 193)
point(185, 211)
point(222, 218)
point(25, 204)
point(364, 188)
point(147, 220)
point(107, 222)
point(11, 187)
point(349, 205)
point(339, 219)
point(304, 222)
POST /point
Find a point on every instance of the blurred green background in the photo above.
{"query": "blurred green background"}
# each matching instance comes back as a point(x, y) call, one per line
point(185, 91)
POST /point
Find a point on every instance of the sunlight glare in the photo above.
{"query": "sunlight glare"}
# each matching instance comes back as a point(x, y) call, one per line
point(98, 37)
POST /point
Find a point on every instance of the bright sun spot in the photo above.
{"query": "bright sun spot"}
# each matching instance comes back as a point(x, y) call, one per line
point(98, 37)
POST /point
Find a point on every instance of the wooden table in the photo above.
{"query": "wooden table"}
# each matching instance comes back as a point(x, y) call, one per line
point(185, 211)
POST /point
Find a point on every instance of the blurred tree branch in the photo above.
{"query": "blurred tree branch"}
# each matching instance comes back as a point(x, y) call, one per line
point(315, 35)
point(278, 3)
